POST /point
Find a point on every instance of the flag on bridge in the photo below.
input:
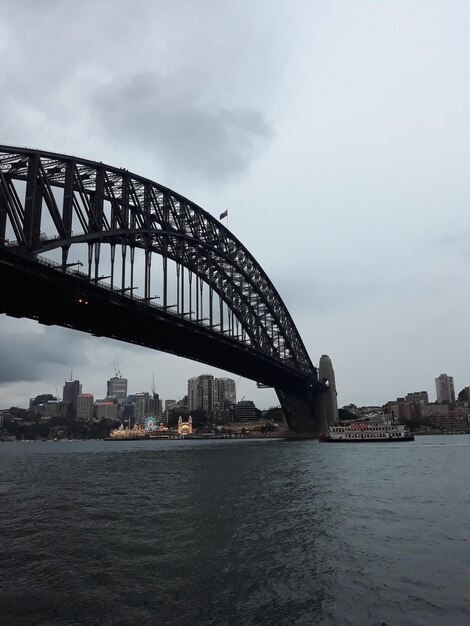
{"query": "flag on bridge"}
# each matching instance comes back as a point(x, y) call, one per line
point(224, 214)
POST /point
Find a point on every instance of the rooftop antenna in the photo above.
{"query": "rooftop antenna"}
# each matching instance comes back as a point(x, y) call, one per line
point(71, 375)
point(117, 373)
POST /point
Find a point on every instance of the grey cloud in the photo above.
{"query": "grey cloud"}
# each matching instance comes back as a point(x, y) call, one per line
point(455, 239)
point(323, 297)
point(171, 118)
point(34, 356)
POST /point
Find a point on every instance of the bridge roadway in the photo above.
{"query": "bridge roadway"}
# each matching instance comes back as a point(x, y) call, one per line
point(39, 290)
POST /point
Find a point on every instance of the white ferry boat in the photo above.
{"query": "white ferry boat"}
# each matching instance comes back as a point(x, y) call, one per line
point(357, 433)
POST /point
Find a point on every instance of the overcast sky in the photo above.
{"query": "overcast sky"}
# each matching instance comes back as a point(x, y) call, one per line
point(336, 133)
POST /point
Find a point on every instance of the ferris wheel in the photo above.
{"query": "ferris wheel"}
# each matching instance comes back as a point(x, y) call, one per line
point(150, 423)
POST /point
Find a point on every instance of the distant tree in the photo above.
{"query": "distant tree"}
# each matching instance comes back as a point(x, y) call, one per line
point(463, 396)
point(200, 419)
point(344, 414)
point(268, 428)
point(42, 399)
point(275, 414)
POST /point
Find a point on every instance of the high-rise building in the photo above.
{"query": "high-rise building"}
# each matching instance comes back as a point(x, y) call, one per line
point(85, 406)
point(168, 406)
point(225, 389)
point(192, 393)
point(142, 407)
point(445, 389)
point(117, 388)
point(201, 393)
point(154, 404)
point(225, 398)
point(70, 394)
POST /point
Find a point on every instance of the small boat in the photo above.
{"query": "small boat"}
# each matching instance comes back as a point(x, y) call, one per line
point(366, 432)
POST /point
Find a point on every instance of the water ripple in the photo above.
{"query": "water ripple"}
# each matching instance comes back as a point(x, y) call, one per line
point(252, 533)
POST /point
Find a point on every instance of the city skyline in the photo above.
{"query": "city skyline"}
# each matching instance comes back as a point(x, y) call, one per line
point(409, 395)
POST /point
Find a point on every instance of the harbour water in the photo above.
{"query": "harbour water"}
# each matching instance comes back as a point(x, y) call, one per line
point(235, 532)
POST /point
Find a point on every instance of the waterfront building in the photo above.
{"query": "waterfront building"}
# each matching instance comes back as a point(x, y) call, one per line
point(192, 393)
point(85, 406)
point(223, 412)
point(169, 404)
point(106, 410)
point(225, 390)
point(154, 405)
point(183, 403)
point(246, 410)
point(117, 388)
point(55, 408)
point(225, 397)
point(201, 393)
point(185, 428)
point(412, 411)
point(445, 389)
point(145, 405)
point(396, 409)
point(446, 418)
point(72, 389)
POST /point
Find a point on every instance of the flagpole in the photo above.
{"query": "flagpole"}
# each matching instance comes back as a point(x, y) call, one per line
point(224, 215)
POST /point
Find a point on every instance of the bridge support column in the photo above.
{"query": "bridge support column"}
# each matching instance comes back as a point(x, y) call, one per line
point(326, 375)
point(312, 410)
point(302, 413)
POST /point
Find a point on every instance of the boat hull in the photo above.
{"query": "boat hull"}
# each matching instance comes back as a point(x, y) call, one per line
point(368, 440)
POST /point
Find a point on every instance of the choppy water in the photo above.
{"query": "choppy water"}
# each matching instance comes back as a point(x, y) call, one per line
point(235, 532)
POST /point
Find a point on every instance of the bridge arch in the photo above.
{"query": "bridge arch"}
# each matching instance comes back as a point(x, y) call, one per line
point(226, 290)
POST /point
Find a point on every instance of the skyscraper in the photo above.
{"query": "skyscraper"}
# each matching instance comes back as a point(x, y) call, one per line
point(201, 393)
point(225, 390)
point(445, 389)
point(117, 388)
point(70, 394)
point(142, 406)
point(225, 397)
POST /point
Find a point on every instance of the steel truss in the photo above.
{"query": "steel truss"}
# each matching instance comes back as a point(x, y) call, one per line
point(218, 282)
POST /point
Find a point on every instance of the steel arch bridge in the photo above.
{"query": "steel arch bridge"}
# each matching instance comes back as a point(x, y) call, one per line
point(156, 270)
